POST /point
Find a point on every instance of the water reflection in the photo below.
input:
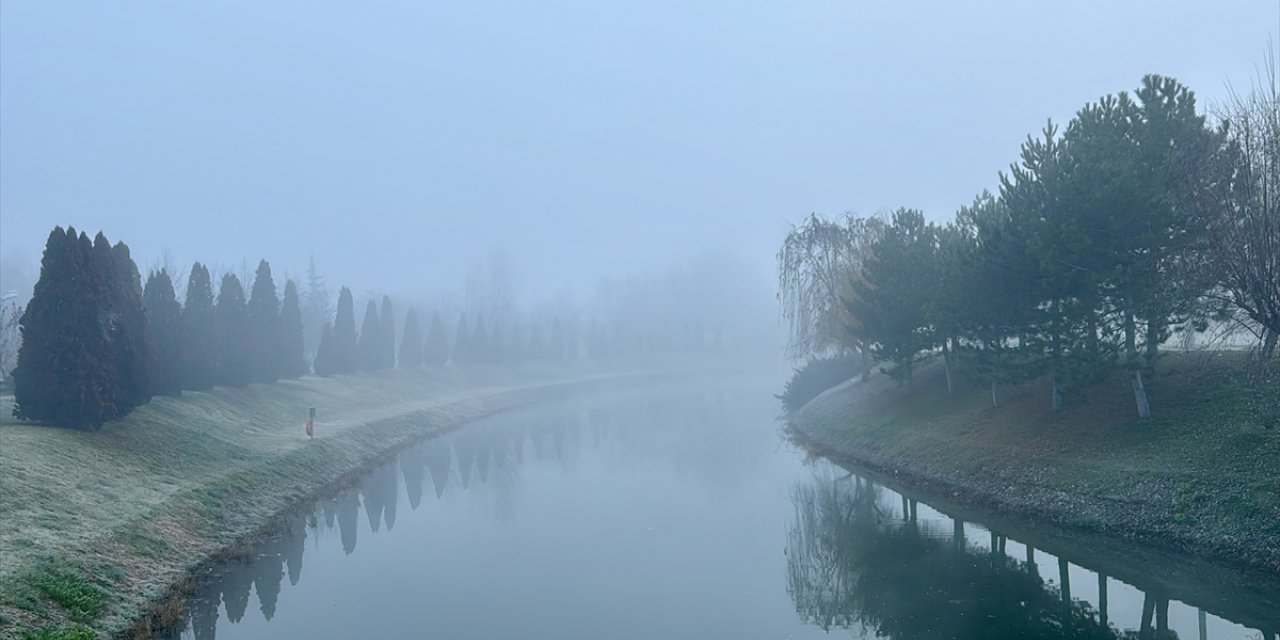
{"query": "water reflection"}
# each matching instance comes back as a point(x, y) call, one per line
point(857, 556)
point(861, 558)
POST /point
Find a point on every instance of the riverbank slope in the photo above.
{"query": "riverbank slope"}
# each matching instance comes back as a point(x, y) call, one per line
point(1201, 476)
point(99, 527)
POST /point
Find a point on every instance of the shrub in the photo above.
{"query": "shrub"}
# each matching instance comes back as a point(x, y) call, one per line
point(818, 375)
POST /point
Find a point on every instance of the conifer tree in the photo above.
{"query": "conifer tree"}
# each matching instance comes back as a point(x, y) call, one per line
point(264, 326)
point(64, 358)
point(199, 344)
point(479, 342)
point(370, 342)
point(164, 328)
point(233, 333)
point(411, 341)
point(387, 359)
point(291, 348)
point(461, 353)
point(436, 349)
point(344, 358)
point(326, 352)
point(317, 305)
point(129, 323)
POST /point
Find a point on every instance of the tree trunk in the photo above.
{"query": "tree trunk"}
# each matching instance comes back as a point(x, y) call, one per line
point(1154, 329)
point(1148, 612)
point(1269, 343)
point(1064, 577)
point(1140, 394)
point(1055, 401)
point(995, 402)
point(1102, 599)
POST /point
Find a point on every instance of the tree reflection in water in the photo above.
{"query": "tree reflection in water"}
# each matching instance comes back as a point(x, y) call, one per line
point(854, 563)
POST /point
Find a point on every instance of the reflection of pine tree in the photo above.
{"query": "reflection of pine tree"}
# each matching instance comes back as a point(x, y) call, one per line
point(439, 462)
point(412, 466)
point(268, 575)
point(297, 543)
point(235, 591)
point(204, 616)
point(348, 520)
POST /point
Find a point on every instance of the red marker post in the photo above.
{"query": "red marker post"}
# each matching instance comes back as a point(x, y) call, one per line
point(310, 420)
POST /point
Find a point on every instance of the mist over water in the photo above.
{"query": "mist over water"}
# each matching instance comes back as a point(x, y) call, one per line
point(678, 511)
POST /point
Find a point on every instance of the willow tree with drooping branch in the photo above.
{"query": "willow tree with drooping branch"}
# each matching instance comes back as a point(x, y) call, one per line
point(817, 264)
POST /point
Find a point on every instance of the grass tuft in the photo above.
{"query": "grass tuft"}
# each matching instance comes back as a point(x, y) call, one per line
point(70, 590)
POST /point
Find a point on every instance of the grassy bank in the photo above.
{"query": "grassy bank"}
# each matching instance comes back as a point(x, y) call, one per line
point(98, 527)
point(1201, 476)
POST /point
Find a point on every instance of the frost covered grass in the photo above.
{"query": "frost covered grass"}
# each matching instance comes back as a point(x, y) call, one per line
point(1201, 475)
point(99, 526)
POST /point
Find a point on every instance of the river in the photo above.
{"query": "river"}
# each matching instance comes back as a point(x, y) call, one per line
point(680, 511)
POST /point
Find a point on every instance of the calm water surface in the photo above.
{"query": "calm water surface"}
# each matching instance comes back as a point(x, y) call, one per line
point(670, 512)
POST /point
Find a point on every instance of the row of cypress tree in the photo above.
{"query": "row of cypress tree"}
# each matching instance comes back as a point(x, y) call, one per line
point(97, 343)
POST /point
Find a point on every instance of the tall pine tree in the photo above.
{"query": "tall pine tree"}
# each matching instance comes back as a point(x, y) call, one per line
point(199, 344)
point(344, 334)
point(234, 334)
point(129, 323)
point(292, 350)
point(411, 341)
point(326, 352)
point(264, 326)
point(387, 358)
point(65, 357)
point(164, 328)
point(370, 343)
point(436, 349)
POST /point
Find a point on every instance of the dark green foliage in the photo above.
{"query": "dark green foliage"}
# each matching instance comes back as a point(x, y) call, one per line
point(462, 352)
point(264, 327)
point(67, 373)
point(199, 344)
point(387, 355)
point(818, 375)
point(290, 348)
point(326, 352)
point(164, 329)
point(69, 589)
point(370, 342)
point(233, 334)
point(436, 350)
point(411, 341)
point(128, 323)
point(344, 334)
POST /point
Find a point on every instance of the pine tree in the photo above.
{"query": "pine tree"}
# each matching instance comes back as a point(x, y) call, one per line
point(345, 350)
point(462, 343)
point(234, 334)
point(317, 305)
point(326, 352)
point(64, 358)
point(199, 344)
point(436, 349)
point(370, 342)
point(387, 359)
point(264, 326)
point(164, 326)
point(411, 341)
point(480, 342)
point(129, 323)
point(291, 348)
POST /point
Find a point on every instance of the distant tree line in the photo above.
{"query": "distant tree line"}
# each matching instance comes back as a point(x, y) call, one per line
point(1139, 220)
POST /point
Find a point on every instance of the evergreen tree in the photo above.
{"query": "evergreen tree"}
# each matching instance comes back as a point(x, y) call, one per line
point(264, 326)
point(387, 359)
point(164, 326)
point(462, 353)
point(436, 349)
point(65, 359)
point(317, 305)
point(370, 342)
point(326, 352)
point(199, 345)
point(411, 341)
point(234, 334)
point(128, 323)
point(345, 349)
point(480, 342)
point(291, 347)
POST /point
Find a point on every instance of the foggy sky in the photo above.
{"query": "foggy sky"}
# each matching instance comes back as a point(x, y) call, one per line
point(402, 142)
